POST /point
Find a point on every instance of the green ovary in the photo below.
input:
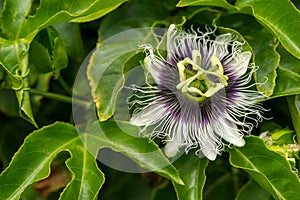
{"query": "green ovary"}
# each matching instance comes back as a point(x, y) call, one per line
point(194, 80)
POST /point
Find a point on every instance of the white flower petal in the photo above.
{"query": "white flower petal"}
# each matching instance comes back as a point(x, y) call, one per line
point(171, 148)
point(229, 132)
point(239, 63)
point(171, 45)
point(149, 115)
point(153, 65)
point(210, 152)
point(208, 142)
point(220, 45)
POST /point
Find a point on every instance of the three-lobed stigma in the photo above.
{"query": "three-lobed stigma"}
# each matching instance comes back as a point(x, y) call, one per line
point(198, 83)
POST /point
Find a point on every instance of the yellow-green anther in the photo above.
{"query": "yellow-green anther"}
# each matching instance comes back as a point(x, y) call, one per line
point(196, 56)
point(213, 90)
point(195, 90)
point(215, 63)
point(181, 69)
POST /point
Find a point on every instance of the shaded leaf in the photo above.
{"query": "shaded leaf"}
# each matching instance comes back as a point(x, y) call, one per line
point(287, 83)
point(218, 3)
point(136, 14)
point(270, 170)
point(163, 191)
point(70, 32)
point(252, 191)
point(288, 61)
point(294, 106)
point(48, 52)
point(192, 171)
point(8, 103)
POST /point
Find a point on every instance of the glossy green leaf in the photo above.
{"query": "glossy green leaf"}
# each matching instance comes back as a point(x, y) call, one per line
point(192, 171)
point(17, 22)
point(14, 60)
point(124, 138)
point(266, 12)
point(281, 17)
point(263, 45)
point(25, 110)
point(252, 191)
point(105, 67)
point(269, 169)
point(11, 55)
point(218, 3)
point(38, 151)
point(41, 146)
point(294, 106)
point(287, 83)
point(288, 61)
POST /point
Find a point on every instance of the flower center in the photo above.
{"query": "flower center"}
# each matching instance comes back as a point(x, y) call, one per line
point(197, 83)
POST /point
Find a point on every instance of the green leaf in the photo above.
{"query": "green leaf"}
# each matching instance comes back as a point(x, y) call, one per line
point(39, 57)
point(17, 21)
point(11, 55)
point(13, 132)
point(37, 152)
point(263, 45)
point(294, 106)
point(252, 191)
point(14, 60)
point(288, 61)
point(48, 52)
point(266, 12)
point(124, 138)
point(136, 14)
point(41, 146)
point(60, 57)
point(163, 191)
point(70, 32)
point(192, 171)
point(106, 65)
point(8, 103)
point(287, 83)
point(270, 170)
point(286, 27)
point(218, 3)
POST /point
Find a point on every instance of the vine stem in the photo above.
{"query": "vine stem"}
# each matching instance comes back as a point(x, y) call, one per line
point(60, 97)
point(64, 84)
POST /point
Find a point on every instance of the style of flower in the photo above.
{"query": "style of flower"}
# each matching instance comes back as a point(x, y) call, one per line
point(201, 97)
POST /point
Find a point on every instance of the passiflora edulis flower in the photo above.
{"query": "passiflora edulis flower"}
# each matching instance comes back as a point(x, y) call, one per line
point(202, 94)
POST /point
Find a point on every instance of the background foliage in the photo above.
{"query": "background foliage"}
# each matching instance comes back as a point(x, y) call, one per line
point(42, 153)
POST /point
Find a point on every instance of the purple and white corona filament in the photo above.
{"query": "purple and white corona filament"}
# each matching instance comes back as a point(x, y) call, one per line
point(201, 96)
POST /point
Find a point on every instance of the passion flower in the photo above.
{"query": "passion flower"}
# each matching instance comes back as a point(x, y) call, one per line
point(202, 95)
